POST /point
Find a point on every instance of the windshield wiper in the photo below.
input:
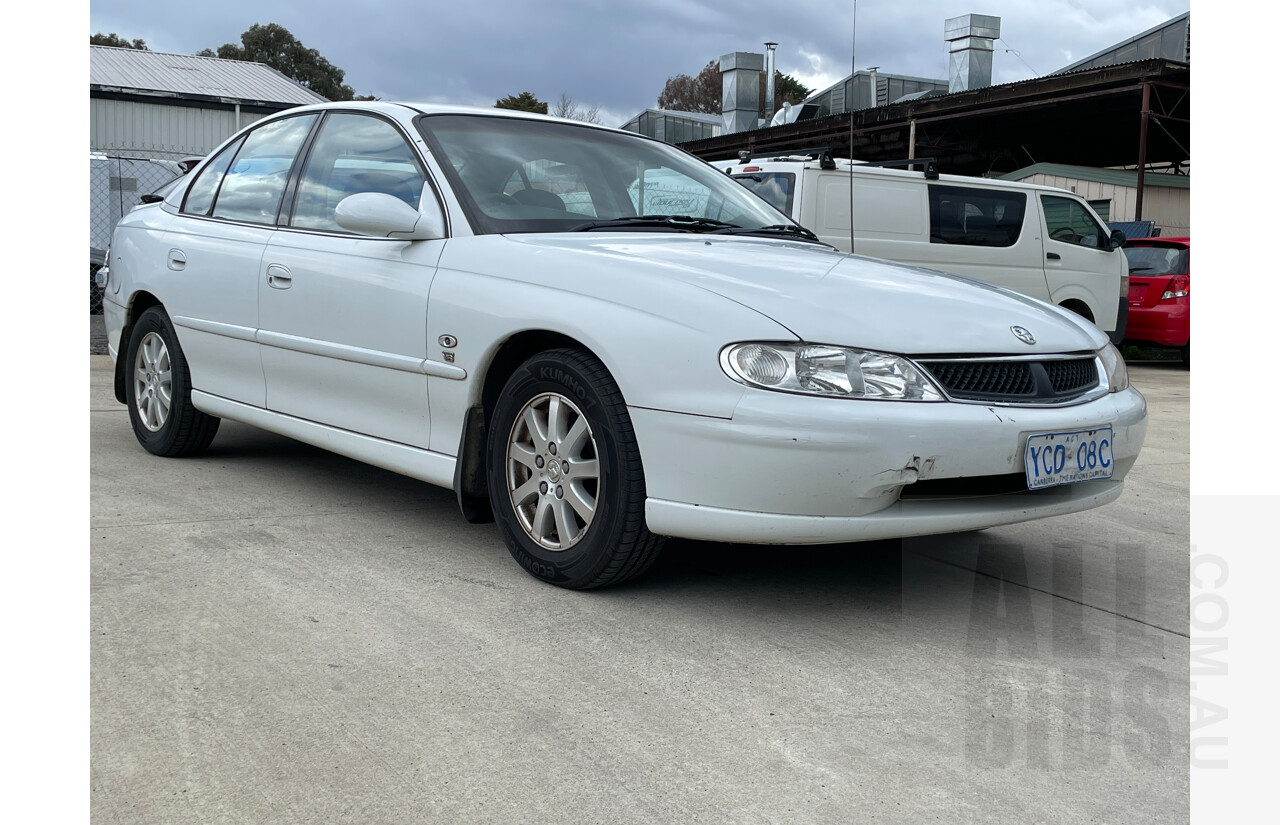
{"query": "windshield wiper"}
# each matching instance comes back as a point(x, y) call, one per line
point(791, 230)
point(680, 223)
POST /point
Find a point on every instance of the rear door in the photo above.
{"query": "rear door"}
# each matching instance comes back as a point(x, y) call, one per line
point(213, 256)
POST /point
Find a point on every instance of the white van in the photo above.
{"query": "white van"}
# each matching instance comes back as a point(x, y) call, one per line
point(1038, 240)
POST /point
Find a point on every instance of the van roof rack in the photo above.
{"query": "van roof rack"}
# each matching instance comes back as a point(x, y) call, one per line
point(820, 153)
point(823, 155)
point(930, 165)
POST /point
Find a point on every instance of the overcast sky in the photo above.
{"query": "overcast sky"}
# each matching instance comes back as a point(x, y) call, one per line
point(617, 55)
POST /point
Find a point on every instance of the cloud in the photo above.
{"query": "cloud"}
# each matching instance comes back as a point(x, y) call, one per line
point(619, 55)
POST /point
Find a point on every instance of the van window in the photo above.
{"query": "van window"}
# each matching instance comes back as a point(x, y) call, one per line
point(975, 217)
point(778, 188)
point(1068, 221)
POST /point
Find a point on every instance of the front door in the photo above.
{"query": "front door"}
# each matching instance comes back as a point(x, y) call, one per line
point(343, 317)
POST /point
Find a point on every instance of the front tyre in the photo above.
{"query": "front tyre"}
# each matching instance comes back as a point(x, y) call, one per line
point(565, 477)
point(158, 391)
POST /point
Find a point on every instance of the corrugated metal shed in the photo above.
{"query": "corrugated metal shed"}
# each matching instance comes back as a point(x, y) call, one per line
point(1114, 177)
point(157, 74)
point(1171, 40)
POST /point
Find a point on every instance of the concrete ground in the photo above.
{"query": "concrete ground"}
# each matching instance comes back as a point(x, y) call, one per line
point(284, 635)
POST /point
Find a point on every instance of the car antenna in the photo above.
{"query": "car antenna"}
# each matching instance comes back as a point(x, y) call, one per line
point(853, 74)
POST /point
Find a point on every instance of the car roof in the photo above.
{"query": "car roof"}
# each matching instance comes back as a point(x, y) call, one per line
point(396, 108)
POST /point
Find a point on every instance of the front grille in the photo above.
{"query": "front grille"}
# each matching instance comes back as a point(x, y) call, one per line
point(989, 379)
point(1014, 381)
point(1076, 374)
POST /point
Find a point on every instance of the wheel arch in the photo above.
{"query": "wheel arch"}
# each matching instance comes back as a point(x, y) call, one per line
point(1079, 307)
point(471, 482)
point(138, 303)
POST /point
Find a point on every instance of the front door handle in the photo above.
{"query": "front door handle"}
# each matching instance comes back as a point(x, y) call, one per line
point(1054, 256)
point(278, 277)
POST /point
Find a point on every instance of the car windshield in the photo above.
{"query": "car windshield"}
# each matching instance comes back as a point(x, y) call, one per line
point(523, 175)
point(1157, 260)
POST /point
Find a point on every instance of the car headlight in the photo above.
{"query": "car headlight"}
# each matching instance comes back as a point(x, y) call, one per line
point(1113, 364)
point(833, 372)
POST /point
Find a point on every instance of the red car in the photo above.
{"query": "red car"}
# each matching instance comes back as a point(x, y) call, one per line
point(1160, 293)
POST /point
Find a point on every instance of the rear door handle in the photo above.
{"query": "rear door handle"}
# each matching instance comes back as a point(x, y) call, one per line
point(1054, 256)
point(278, 277)
point(177, 260)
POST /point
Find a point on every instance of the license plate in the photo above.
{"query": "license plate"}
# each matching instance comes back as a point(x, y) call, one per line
point(1066, 458)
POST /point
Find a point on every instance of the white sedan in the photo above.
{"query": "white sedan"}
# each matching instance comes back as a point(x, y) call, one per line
point(596, 339)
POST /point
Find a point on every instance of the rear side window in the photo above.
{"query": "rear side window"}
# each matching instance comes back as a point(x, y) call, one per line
point(205, 187)
point(975, 217)
point(252, 187)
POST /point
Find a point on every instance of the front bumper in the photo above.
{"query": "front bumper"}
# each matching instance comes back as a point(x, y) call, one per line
point(789, 469)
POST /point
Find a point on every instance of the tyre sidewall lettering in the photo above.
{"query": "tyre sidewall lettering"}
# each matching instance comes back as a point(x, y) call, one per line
point(577, 562)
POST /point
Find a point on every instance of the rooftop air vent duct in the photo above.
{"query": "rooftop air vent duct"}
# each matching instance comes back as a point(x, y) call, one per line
point(972, 41)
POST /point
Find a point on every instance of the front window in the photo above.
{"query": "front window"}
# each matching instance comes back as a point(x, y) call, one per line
point(354, 154)
point(1068, 221)
point(778, 188)
point(520, 175)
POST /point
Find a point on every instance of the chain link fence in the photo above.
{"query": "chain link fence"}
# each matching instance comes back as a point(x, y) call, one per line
point(116, 185)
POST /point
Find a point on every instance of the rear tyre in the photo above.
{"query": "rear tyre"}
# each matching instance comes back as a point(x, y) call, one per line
point(158, 391)
point(1186, 355)
point(565, 478)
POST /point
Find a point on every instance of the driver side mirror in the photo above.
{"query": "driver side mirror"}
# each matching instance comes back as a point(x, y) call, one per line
point(386, 216)
point(1117, 239)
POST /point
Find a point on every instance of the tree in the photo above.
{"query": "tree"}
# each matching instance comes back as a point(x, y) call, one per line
point(568, 109)
point(114, 39)
point(683, 93)
point(273, 45)
point(786, 89)
point(524, 102)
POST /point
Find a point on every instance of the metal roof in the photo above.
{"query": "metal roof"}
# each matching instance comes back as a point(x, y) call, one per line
point(1115, 177)
point(701, 117)
point(157, 74)
point(1090, 117)
point(1147, 44)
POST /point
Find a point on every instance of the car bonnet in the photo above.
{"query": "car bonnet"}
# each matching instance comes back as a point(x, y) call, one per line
point(824, 296)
